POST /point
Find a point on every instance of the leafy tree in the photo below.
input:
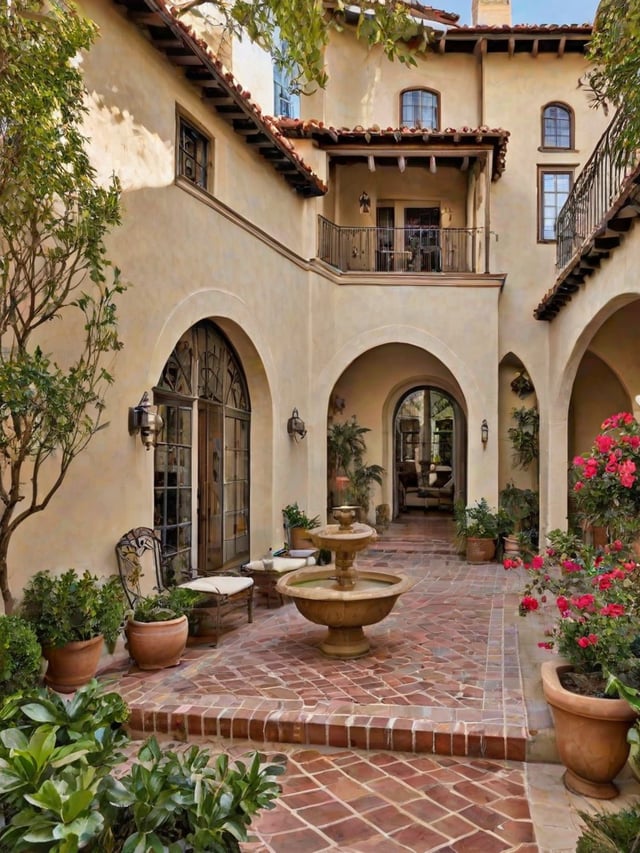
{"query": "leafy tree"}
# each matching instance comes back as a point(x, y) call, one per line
point(305, 25)
point(53, 220)
point(615, 51)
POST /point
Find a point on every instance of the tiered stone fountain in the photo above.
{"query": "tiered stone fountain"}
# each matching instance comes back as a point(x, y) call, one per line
point(340, 597)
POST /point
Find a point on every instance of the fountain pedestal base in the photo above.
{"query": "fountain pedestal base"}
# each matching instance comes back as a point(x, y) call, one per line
point(345, 643)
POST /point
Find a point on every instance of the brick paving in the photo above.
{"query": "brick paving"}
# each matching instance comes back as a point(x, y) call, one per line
point(419, 746)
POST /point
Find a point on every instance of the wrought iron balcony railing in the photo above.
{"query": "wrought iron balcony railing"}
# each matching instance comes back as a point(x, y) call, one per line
point(592, 195)
point(401, 250)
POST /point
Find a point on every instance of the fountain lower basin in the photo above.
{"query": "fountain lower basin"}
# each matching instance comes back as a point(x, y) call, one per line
point(319, 598)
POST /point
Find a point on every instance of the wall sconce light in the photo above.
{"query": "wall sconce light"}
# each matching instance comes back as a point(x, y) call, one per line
point(484, 432)
point(295, 426)
point(144, 418)
point(365, 202)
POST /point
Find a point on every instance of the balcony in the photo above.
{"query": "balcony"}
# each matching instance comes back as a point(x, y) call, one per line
point(410, 250)
point(600, 209)
point(592, 195)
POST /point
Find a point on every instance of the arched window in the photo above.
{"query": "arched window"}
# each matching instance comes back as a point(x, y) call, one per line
point(557, 126)
point(419, 108)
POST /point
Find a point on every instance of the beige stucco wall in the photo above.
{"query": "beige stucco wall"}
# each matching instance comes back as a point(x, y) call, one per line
point(239, 257)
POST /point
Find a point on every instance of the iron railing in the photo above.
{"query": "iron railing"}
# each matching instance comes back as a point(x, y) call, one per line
point(593, 193)
point(401, 250)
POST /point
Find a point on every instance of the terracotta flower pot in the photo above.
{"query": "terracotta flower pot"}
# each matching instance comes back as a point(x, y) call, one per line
point(73, 665)
point(480, 550)
point(300, 539)
point(156, 645)
point(591, 735)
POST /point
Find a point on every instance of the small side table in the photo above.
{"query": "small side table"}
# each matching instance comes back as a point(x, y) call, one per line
point(265, 580)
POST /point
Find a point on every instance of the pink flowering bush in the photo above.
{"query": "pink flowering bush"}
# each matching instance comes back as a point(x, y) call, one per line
point(606, 481)
point(590, 602)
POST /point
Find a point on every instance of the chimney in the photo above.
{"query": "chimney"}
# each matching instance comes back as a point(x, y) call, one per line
point(493, 13)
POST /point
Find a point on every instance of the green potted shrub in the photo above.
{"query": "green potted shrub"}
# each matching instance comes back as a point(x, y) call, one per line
point(349, 475)
point(521, 505)
point(297, 524)
point(20, 655)
point(483, 525)
point(73, 615)
point(361, 480)
point(158, 627)
point(67, 785)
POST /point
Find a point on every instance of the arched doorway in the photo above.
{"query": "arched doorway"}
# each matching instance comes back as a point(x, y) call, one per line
point(428, 450)
point(201, 469)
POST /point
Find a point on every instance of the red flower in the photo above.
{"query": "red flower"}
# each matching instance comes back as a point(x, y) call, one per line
point(529, 603)
point(545, 645)
point(583, 602)
point(616, 545)
point(612, 610)
point(578, 486)
point(537, 562)
point(591, 640)
point(562, 604)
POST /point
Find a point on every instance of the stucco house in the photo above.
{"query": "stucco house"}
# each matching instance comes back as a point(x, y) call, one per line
point(384, 248)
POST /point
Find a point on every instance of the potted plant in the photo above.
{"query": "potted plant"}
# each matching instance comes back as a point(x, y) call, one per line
point(360, 482)
point(73, 616)
point(352, 478)
point(158, 628)
point(68, 785)
point(594, 626)
point(297, 524)
point(482, 526)
point(521, 505)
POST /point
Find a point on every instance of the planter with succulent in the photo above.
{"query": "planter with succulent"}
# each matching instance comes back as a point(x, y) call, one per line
point(67, 785)
point(594, 625)
point(73, 615)
point(297, 525)
point(158, 628)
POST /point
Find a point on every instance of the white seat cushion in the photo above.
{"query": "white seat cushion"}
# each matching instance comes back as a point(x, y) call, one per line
point(219, 584)
point(281, 565)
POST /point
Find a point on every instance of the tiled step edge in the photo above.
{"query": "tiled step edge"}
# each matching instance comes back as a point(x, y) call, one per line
point(350, 732)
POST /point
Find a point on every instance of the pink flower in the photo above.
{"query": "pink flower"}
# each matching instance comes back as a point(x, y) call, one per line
point(604, 443)
point(537, 562)
point(578, 486)
point(590, 468)
point(616, 545)
point(578, 461)
point(571, 566)
point(591, 640)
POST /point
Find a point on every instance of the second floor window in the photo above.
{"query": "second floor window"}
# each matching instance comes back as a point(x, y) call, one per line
point(193, 154)
point(286, 102)
point(554, 186)
point(419, 108)
point(557, 127)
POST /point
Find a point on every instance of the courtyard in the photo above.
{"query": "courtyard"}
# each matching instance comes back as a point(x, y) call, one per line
point(439, 740)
